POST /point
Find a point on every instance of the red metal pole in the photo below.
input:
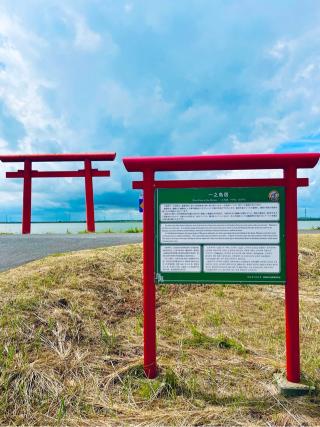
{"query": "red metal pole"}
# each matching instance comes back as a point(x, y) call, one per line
point(26, 208)
point(292, 281)
point(149, 292)
point(89, 196)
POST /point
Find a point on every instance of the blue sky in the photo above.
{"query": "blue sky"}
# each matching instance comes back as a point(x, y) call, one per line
point(154, 78)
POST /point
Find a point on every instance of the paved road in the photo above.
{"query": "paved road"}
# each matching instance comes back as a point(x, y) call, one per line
point(18, 249)
point(313, 231)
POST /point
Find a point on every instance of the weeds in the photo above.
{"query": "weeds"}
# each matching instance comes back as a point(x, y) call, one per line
point(71, 346)
point(110, 230)
point(62, 410)
point(214, 319)
point(107, 337)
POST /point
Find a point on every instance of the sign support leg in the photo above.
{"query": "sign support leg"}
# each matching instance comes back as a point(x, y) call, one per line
point(292, 283)
point(149, 292)
point(26, 208)
point(89, 196)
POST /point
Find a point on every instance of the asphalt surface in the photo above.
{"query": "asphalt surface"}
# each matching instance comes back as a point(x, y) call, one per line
point(20, 249)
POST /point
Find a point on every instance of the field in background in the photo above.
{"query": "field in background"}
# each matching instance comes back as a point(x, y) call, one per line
point(72, 227)
point(71, 346)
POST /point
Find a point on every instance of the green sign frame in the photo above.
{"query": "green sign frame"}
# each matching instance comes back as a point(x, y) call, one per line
point(211, 207)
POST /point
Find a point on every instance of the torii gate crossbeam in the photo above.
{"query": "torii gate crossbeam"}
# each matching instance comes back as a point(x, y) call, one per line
point(28, 173)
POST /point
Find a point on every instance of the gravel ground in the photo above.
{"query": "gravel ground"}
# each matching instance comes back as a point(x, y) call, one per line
point(20, 249)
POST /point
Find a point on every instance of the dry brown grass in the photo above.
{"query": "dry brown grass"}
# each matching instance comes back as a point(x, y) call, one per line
point(71, 346)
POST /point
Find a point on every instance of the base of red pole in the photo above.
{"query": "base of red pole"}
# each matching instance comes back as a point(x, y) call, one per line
point(151, 372)
point(292, 389)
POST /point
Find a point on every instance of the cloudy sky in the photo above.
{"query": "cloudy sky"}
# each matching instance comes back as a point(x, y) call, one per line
point(149, 77)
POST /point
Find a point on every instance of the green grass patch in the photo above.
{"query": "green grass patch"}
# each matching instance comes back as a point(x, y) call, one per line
point(200, 339)
point(134, 230)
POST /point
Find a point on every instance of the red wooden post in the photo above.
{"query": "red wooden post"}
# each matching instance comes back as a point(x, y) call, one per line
point(292, 283)
point(26, 209)
point(149, 292)
point(89, 196)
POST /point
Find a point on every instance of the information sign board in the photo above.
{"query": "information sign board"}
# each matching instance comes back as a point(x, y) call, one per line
point(220, 235)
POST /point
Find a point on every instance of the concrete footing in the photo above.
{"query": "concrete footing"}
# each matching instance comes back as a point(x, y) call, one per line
point(289, 389)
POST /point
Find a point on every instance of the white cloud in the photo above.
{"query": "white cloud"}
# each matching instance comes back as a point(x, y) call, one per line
point(146, 107)
point(294, 112)
point(123, 213)
point(280, 49)
point(119, 103)
point(208, 71)
point(20, 87)
point(196, 128)
point(3, 145)
point(267, 133)
point(10, 198)
point(11, 29)
point(85, 38)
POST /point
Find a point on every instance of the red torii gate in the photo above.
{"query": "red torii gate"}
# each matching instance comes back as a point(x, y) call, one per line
point(289, 163)
point(28, 173)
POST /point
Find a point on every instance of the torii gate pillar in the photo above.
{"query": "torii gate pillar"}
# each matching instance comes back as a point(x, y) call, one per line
point(89, 196)
point(26, 208)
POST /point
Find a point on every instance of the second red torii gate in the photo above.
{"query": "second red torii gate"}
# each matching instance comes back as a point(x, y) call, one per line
point(28, 173)
point(288, 162)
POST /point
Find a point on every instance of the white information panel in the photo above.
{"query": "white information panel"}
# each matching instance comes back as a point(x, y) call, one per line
point(219, 232)
point(180, 258)
point(172, 212)
point(241, 259)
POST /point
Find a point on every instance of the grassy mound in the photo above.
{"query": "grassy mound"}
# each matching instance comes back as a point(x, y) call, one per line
point(71, 346)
